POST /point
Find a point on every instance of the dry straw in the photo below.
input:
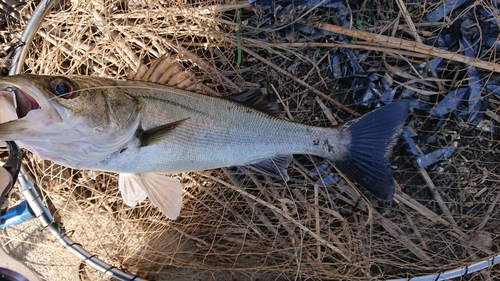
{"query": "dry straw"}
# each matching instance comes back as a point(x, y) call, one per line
point(254, 227)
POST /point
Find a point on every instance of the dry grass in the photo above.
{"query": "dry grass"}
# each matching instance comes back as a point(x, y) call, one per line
point(256, 227)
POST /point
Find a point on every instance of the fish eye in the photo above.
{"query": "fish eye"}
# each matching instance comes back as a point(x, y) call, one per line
point(63, 87)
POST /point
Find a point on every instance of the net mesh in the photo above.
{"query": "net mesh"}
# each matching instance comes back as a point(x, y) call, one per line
point(256, 227)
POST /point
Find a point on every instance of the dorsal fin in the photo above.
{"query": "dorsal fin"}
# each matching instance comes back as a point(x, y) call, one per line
point(256, 99)
point(167, 70)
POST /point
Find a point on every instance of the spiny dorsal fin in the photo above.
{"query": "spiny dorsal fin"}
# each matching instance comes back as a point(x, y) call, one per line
point(167, 70)
point(256, 99)
point(157, 133)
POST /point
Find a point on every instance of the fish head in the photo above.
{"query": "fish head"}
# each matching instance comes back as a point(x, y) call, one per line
point(73, 121)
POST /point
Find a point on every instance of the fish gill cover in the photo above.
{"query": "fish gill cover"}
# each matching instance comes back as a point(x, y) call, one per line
point(324, 62)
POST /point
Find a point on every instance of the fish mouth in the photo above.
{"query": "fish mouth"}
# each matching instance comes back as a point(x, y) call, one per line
point(24, 103)
point(30, 98)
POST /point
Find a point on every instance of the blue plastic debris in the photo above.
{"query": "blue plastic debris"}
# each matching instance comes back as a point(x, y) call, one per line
point(321, 169)
point(434, 63)
point(492, 12)
point(444, 9)
point(493, 42)
point(16, 215)
point(464, 102)
point(449, 103)
point(336, 67)
point(475, 98)
point(474, 82)
point(493, 87)
point(388, 96)
point(365, 93)
point(328, 180)
point(313, 3)
point(356, 68)
point(424, 160)
point(444, 40)
point(367, 87)
point(435, 156)
point(466, 47)
point(263, 4)
point(488, 126)
point(408, 134)
point(281, 7)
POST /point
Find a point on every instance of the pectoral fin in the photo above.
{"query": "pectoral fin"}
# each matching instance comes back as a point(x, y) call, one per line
point(164, 192)
point(156, 134)
point(130, 187)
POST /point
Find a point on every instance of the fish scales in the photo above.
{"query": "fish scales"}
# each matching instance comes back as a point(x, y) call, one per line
point(218, 133)
point(142, 130)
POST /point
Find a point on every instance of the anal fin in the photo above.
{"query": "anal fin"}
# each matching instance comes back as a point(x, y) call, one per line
point(274, 166)
point(164, 192)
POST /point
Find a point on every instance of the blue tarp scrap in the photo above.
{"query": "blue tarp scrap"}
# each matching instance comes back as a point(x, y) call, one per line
point(444, 9)
point(328, 180)
point(408, 134)
point(425, 160)
point(450, 102)
point(435, 156)
point(473, 81)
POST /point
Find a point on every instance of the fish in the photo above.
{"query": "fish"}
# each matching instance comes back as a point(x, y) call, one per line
point(143, 131)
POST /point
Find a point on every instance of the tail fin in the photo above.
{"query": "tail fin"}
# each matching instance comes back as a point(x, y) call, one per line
point(373, 137)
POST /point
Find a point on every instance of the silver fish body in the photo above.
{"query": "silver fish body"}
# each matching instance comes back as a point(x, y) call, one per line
point(140, 127)
point(215, 132)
